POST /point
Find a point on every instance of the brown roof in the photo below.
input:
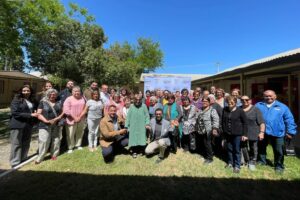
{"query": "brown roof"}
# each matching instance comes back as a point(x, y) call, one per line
point(18, 74)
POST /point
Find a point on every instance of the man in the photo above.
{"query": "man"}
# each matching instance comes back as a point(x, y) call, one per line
point(279, 124)
point(104, 94)
point(160, 129)
point(88, 91)
point(137, 121)
point(64, 94)
point(112, 137)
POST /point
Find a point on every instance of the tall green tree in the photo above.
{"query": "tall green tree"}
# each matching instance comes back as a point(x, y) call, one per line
point(19, 20)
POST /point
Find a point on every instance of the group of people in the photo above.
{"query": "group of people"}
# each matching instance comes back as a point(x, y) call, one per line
point(208, 122)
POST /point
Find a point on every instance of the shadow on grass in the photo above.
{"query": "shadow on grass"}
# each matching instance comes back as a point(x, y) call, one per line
point(52, 185)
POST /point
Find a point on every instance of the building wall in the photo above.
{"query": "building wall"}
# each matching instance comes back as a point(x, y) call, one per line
point(10, 86)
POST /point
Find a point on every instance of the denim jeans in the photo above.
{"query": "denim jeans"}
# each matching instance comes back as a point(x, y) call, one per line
point(234, 150)
point(108, 152)
point(278, 150)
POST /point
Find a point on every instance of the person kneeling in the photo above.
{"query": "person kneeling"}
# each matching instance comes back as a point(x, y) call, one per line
point(112, 137)
point(159, 135)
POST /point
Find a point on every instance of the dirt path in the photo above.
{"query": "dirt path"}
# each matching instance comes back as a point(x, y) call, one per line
point(5, 151)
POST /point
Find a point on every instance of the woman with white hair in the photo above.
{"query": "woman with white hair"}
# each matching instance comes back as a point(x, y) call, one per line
point(153, 106)
point(50, 112)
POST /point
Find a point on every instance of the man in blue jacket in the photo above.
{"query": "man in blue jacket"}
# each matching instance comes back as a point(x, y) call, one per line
point(280, 123)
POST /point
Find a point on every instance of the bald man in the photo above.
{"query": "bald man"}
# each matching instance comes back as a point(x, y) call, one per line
point(280, 123)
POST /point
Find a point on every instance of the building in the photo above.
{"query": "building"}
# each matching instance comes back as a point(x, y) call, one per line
point(12, 81)
point(280, 72)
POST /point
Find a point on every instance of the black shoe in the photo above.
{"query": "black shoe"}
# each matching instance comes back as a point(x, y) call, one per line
point(207, 161)
point(159, 160)
point(236, 170)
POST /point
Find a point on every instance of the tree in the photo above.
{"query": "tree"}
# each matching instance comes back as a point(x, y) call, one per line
point(19, 20)
point(128, 62)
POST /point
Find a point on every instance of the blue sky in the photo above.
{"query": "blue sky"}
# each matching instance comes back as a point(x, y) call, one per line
point(196, 34)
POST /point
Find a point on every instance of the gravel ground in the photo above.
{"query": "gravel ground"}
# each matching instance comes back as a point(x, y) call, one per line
point(5, 151)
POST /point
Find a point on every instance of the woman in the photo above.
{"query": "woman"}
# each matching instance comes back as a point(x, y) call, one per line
point(23, 116)
point(147, 99)
point(74, 110)
point(123, 94)
point(50, 112)
point(220, 97)
point(188, 121)
point(236, 93)
point(48, 85)
point(172, 113)
point(94, 108)
point(235, 129)
point(196, 100)
point(256, 129)
point(207, 127)
point(127, 103)
point(153, 106)
point(112, 93)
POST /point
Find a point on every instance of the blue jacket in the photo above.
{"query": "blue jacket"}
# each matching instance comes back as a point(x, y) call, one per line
point(278, 118)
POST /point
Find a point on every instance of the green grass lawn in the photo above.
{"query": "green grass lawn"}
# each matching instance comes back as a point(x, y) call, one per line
point(84, 175)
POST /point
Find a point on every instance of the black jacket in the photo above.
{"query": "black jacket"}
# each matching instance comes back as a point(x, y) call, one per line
point(234, 123)
point(21, 114)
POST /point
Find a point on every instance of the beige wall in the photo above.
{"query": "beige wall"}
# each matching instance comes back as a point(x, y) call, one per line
point(12, 85)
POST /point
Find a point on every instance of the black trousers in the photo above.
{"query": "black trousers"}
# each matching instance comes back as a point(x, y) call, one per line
point(205, 140)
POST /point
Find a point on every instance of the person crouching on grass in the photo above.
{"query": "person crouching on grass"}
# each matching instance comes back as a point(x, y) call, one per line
point(160, 129)
point(112, 137)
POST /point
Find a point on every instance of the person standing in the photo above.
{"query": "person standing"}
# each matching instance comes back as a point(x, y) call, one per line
point(88, 91)
point(104, 94)
point(188, 122)
point(280, 123)
point(173, 113)
point(160, 129)
point(23, 116)
point(153, 106)
point(65, 93)
point(94, 109)
point(137, 122)
point(235, 129)
point(207, 127)
point(256, 129)
point(50, 112)
point(74, 110)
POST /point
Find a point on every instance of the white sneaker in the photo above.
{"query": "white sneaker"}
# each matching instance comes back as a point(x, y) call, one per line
point(70, 151)
point(79, 148)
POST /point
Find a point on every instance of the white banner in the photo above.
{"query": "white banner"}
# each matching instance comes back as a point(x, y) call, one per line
point(171, 83)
